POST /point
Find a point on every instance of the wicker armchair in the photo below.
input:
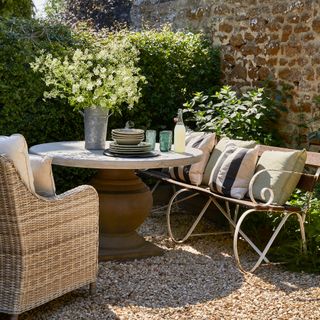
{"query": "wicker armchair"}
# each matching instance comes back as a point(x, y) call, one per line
point(48, 246)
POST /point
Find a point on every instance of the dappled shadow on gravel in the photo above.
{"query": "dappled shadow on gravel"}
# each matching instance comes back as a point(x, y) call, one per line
point(177, 279)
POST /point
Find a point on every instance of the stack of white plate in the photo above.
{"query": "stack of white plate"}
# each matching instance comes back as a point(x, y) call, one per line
point(127, 136)
point(130, 149)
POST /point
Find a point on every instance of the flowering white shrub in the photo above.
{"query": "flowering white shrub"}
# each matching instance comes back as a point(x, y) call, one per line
point(104, 76)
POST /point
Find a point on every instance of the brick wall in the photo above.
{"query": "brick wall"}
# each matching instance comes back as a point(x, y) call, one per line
point(259, 39)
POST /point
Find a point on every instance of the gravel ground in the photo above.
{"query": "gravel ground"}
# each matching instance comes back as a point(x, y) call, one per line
point(196, 280)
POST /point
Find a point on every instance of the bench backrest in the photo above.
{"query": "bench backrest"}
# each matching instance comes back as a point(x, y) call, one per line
point(308, 180)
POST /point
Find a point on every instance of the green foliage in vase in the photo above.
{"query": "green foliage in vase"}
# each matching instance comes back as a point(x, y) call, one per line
point(104, 75)
point(236, 115)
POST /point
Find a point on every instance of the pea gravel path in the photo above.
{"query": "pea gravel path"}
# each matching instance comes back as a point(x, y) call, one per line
point(196, 280)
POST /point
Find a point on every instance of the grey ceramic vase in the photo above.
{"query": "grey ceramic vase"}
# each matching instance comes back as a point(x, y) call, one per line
point(95, 127)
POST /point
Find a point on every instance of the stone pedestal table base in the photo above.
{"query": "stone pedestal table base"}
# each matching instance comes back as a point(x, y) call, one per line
point(125, 201)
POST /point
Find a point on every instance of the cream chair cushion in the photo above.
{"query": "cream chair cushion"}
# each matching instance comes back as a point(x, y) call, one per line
point(42, 174)
point(15, 148)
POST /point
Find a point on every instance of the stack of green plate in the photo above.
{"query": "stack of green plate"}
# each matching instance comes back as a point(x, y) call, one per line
point(127, 136)
point(141, 148)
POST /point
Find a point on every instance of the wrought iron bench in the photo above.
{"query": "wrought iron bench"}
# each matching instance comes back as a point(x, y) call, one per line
point(306, 183)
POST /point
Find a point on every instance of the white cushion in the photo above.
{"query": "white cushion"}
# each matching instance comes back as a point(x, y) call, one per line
point(233, 171)
point(15, 148)
point(193, 173)
point(42, 174)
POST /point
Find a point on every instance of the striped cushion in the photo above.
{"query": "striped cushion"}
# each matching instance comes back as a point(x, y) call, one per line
point(233, 171)
point(193, 173)
point(216, 153)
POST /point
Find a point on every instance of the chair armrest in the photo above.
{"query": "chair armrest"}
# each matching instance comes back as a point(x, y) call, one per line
point(59, 219)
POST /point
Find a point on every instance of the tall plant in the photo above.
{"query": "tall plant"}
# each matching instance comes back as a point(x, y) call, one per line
point(228, 113)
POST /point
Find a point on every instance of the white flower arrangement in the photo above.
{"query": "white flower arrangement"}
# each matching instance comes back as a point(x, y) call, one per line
point(105, 76)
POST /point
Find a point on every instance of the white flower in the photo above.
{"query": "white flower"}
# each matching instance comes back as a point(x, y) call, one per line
point(89, 86)
point(75, 88)
point(82, 78)
point(80, 99)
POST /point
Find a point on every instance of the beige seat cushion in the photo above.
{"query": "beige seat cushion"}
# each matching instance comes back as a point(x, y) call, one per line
point(42, 174)
point(193, 173)
point(15, 148)
point(282, 183)
point(218, 149)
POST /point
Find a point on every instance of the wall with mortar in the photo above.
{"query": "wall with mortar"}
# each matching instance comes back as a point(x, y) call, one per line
point(259, 39)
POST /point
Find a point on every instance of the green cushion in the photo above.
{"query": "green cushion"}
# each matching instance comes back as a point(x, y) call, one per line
point(282, 183)
point(217, 151)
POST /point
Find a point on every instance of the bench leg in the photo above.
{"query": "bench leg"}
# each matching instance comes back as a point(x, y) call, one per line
point(262, 255)
point(189, 232)
point(233, 223)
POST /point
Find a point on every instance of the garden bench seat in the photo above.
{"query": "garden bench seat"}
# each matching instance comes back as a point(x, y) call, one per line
point(307, 182)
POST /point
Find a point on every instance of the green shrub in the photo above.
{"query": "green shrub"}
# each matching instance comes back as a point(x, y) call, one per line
point(22, 108)
point(288, 244)
point(175, 65)
point(248, 115)
point(16, 8)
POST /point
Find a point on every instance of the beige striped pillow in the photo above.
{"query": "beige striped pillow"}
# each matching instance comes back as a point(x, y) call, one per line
point(193, 173)
point(216, 153)
point(233, 171)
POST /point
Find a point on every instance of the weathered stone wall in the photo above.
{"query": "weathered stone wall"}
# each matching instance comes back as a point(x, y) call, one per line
point(259, 39)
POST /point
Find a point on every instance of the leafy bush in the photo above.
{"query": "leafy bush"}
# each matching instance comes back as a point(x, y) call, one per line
point(22, 108)
point(16, 8)
point(288, 245)
point(175, 65)
point(239, 116)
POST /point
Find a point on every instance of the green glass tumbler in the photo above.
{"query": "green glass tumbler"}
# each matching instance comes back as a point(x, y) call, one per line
point(151, 138)
point(165, 140)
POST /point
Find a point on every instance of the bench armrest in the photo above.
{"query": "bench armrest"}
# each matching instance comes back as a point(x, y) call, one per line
point(266, 193)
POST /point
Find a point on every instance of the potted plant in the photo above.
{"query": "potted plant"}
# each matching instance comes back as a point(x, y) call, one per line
point(99, 80)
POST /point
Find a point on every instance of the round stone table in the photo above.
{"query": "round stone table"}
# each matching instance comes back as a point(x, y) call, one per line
point(125, 201)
